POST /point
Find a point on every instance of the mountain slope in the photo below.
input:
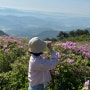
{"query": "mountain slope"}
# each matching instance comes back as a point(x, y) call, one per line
point(3, 33)
point(48, 34)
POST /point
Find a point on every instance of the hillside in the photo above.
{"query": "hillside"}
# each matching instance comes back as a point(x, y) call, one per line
point(48, 34)
point(3, 33)
point(73, 57)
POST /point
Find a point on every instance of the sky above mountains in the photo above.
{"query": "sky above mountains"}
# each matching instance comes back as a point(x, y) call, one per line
point(81, 7)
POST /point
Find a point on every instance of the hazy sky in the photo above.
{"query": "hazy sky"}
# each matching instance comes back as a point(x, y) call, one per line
point(68, 6)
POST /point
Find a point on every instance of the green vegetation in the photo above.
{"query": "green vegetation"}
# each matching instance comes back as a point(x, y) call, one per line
point(77, 35)
point(71, 73)
point(13, 63)
point(81, 38)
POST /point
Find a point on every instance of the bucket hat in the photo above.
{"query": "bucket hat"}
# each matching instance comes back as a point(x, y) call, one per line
point(36, 45)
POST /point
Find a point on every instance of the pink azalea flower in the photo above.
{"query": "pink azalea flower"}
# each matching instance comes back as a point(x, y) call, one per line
point(58, 54)
point(87, 54)
point(12, 37)
point(71, 61)
point(6, 51)
point(20, 47)
point(5, 46)
point(86, 84)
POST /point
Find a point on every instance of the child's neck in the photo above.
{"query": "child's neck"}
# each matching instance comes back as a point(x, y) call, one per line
point(36, 54)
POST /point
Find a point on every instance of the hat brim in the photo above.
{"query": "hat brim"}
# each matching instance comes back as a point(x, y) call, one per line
point(38, 48)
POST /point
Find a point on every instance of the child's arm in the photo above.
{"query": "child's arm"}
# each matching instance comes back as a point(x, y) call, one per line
point(49, 46)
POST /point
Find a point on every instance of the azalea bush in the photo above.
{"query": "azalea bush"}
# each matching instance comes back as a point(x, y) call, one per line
point(72, 72)
point(73, 68)
point(13, 63)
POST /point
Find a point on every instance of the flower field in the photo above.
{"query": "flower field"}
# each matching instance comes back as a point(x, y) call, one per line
point(72, 73)
point(13, 63)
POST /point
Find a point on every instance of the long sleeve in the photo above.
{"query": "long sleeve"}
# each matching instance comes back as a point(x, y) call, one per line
point(39, 69)
point(43, 64)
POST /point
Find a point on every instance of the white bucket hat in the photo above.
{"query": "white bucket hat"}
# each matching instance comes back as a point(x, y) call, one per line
point(36, 45)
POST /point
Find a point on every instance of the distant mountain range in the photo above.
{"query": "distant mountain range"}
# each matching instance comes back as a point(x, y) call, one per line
point(42, 24)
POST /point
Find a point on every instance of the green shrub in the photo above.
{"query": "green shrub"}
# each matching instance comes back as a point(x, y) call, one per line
point(70, 74)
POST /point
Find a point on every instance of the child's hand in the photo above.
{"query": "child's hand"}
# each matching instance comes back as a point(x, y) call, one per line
point(48, 43)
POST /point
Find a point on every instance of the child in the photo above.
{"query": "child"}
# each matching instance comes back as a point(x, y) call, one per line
point(38, 74)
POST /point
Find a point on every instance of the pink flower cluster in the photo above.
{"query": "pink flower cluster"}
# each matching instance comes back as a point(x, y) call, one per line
point(7, 41)
point(84, 50)
point(67, 44)
point(86, 85)
point(58, 54)
point(70, 61)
